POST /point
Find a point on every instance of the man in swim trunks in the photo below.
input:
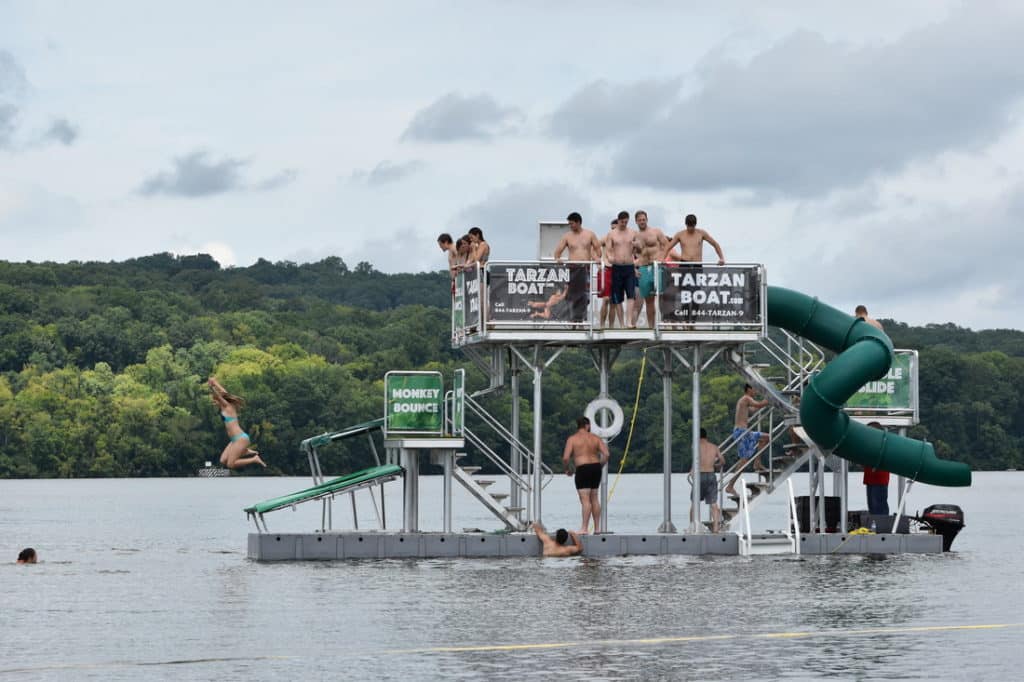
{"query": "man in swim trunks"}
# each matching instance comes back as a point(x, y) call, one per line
point(556, 546)
point(648, 245)
point(711, 460)
point(447, 246)
point(749, 442)
point(583, 245)
point(618, 246)
point(691, 242)
point(589, 455)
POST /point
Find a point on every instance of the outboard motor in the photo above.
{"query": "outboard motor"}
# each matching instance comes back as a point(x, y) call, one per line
point(945, 519)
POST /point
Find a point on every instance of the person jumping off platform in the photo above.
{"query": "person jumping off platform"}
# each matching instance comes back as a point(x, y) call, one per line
point(229, 405)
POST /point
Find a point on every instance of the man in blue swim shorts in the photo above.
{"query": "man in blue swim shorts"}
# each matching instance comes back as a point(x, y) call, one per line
point(618, 249)
point(748, 442)
point(648, 245)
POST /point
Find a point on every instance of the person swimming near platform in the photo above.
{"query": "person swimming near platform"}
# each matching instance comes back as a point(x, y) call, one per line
point(556, 546)
point(27, 556)
point(237, 454)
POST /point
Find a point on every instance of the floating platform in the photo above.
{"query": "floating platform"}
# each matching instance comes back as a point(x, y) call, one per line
point(330, 546)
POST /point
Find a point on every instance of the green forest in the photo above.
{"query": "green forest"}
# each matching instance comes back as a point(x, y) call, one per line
point(103, 369)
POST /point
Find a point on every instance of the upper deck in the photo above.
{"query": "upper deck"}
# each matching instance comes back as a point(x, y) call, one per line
point(551, 302)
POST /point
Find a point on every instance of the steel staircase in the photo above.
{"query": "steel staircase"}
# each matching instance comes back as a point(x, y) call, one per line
point(512, 515)
point(797, 361)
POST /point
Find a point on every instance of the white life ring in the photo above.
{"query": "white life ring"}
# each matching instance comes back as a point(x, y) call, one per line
point(606, 432)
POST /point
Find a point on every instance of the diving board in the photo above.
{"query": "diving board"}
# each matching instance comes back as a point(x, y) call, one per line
point(348, 483)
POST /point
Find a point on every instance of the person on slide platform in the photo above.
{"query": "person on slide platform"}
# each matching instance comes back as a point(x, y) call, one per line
point(237, 454)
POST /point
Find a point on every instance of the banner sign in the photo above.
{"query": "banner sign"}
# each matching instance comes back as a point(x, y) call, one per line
point(522, 293)
point(710, 294)
point(459, 303)
point(471, 298)
point(458, 402)
point(894, 391)
point(414, 402)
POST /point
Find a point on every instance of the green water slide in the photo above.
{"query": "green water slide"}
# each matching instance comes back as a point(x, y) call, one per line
point(865, 354)
point(334, 486)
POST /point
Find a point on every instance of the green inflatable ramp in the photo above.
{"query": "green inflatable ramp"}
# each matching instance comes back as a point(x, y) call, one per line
point(334, 486)
point(865, 354)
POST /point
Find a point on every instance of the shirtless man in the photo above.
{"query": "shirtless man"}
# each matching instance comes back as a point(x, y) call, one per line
point(583, 246)
point(862, 313)
point(447, 246)
point(648, 245)
point(749, 441)
point(691, 241)
point(589, 455)
point(618, 247)
point(711, 460)
point(556, 546)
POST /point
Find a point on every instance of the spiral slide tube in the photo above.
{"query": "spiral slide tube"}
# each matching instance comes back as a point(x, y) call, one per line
point(865, 354)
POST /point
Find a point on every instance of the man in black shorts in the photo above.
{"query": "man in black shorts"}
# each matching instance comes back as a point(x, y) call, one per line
point(589, 454)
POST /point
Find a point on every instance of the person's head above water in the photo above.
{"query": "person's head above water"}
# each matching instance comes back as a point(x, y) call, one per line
point(561, 535)
point(27, 556)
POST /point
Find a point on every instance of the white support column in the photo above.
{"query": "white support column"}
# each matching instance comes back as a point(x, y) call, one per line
point(449, 463)
point(695, 525)
point(516, 456)
point(410, 461)
point(602, 523)
point(666, 425)
point(538, 417)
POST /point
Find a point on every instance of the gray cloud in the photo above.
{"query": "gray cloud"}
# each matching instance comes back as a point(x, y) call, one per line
point(808, 115)
point(509, 216)
point(194, 176)
point(62, 131)
point(454, 117)
point(387, 171)
point(602, 111)
point(12, 88)
point(957, 262)
point(277, 181)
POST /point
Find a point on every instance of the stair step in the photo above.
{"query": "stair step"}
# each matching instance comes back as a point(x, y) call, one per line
point(459, 454)
point(483, 482)
point(794, 446)
point(514, 510)
point(499, 496)
point(471, 470)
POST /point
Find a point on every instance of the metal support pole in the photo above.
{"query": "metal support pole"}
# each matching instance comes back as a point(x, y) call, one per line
point(449, 461)
point(812, 493)
point(666, 425)
point(410, 497)
point(602, 523)
point(517, 464)
point(821, 495)
point(695, 525)
point(901, 483)
point(538, 416)
point(844, 502)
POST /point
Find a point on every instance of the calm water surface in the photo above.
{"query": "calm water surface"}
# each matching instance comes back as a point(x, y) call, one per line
point(148, 579)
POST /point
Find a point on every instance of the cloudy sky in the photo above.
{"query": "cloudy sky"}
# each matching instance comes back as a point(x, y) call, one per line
point(866, 152)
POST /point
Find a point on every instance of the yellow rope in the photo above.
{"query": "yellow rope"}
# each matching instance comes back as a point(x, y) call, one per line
point(632, 423)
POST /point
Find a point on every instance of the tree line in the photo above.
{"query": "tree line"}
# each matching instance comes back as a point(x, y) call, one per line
point(102, 368)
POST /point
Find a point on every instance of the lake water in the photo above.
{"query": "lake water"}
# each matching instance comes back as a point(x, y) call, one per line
point(148, 579)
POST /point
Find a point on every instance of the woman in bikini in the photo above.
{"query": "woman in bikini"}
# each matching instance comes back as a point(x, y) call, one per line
point(237, 454)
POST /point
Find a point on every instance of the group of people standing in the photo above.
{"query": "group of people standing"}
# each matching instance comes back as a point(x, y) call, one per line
point(627, 257)
point(469, 248)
